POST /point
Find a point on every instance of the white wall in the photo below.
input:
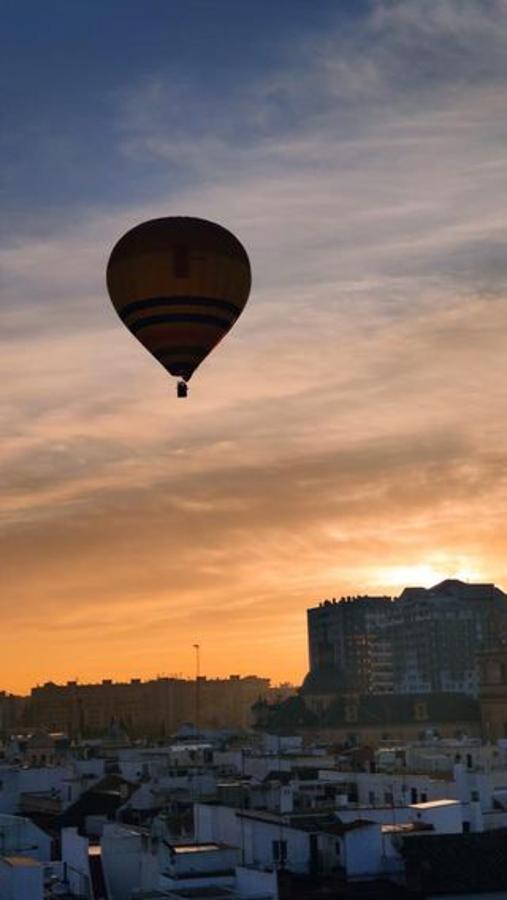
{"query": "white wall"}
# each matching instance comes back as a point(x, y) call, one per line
point(21, 882)
point(253, 836)
point(446, 819)
point(19, 836)
point(363, 852)
point(75, 859)
point(43, 779)
point(216, 823)
point(252, 883)
point(481, 783)
point(127, 861)
point(400, 785)
point(258, 844)
point(195, 862)
point(15, 780)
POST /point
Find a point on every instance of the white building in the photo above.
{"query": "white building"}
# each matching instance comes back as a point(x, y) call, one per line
point(197, 865)
point(21, 878)
point(20, 837)
point(302, 845)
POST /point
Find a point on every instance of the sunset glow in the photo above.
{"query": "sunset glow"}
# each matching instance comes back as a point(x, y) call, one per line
point(348, 436)
point(426, 574)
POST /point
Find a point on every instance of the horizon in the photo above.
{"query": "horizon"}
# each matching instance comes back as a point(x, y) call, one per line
point(212, 676)
point(349, 432)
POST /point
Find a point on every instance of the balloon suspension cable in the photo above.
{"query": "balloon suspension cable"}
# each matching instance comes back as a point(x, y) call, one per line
point(182, 388)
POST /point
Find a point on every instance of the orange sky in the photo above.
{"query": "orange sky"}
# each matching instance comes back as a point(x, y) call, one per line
point(348, 436)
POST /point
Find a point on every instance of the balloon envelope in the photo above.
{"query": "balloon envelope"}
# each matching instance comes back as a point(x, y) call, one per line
point(179, 284)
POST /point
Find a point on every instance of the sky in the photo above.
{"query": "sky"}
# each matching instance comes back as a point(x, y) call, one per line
point(348, 436)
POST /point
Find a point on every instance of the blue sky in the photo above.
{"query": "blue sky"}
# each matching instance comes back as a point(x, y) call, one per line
point(68, 70)
point(349, 434)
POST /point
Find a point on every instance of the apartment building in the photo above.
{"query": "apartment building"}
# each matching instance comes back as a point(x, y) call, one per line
point(424, 641)
point(157, 707)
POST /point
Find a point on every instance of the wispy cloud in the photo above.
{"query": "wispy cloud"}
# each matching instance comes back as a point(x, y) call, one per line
point(351, 424)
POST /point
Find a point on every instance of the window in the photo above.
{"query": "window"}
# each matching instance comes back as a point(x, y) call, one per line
point(474, 796)
point(279, 851)
point(371, 798)
point(388, 798)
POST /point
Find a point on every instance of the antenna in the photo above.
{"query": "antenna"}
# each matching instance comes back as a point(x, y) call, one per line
point(197, 648)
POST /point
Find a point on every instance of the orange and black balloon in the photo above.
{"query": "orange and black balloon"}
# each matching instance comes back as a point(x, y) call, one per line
point(179, 284)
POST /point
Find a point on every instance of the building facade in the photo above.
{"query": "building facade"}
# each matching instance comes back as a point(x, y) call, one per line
point(157, 707)
point(493, 692)
point(12, 709)
point(423, 641)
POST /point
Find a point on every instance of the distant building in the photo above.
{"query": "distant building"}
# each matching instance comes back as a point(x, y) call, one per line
point(424, 641)
point(12, 709)
point(384, 668)
point(357, 719)
point(343, 633)
point(157, 707)
point(493, 692)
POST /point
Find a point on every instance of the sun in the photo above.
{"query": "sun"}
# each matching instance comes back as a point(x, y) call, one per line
point(426, 574)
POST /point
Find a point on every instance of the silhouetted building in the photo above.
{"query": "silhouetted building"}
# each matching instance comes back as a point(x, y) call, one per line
point(370, 719)
point(424, 641)
point(153, 708)
point(343, 633)
point(12, 709)
point(493, 692)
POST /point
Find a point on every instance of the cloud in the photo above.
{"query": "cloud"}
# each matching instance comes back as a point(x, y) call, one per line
point(353, 421)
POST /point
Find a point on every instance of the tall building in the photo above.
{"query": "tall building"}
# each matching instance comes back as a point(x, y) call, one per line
point(423, 641)
point(346, 636)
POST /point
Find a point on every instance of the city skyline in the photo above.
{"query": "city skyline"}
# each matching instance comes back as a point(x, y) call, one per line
point(349, 434)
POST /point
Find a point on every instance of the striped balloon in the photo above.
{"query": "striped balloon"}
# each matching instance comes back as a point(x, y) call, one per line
point(179, 284)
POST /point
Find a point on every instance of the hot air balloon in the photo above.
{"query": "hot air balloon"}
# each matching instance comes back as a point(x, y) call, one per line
point(179, 284)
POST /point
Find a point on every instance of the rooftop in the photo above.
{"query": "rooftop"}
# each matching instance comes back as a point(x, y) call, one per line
point(432, 804)
point(198, 848)
point(407, 827)
point(21, 862)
